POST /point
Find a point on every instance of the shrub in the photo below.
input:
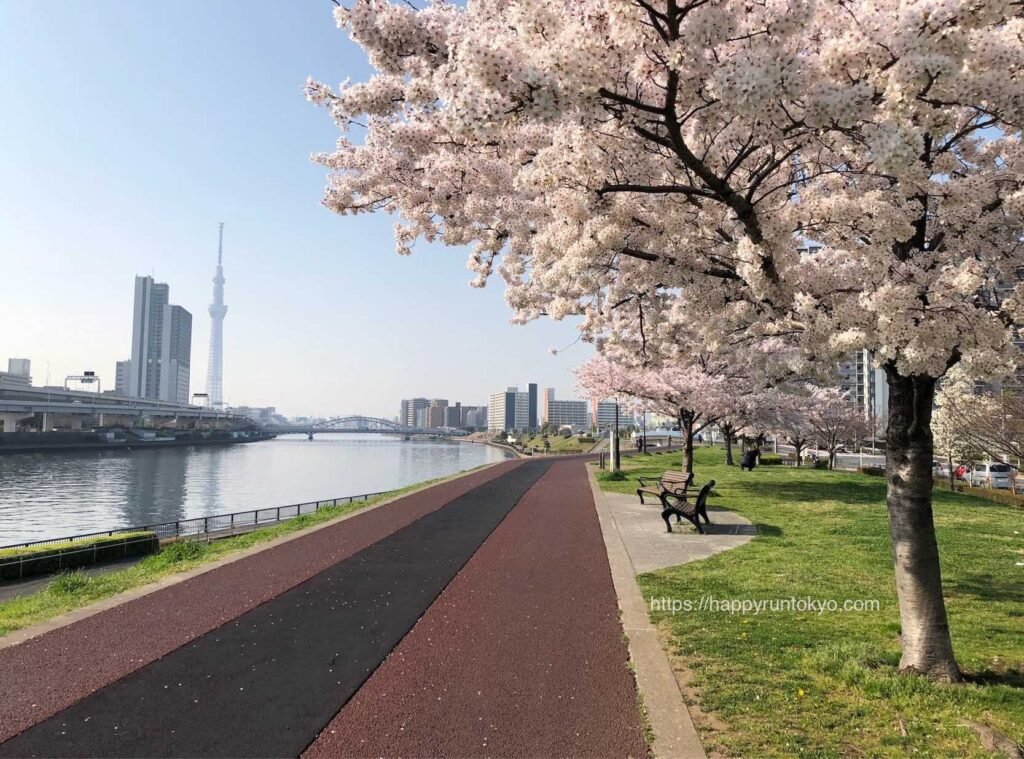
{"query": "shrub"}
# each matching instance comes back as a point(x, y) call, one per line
point(69, 583)
point(182, 550)
point(618, 476)
point(771, 459)
point(50, 558)
point(874, 471)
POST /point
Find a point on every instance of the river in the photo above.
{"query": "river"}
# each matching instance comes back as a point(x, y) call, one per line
point(46, 495)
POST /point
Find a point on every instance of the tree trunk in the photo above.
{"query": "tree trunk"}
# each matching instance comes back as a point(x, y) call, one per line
point(832, 459)
point(727, 434)
point(952, 474)
point(797, 450)
point(927, 646)
point(686, 423)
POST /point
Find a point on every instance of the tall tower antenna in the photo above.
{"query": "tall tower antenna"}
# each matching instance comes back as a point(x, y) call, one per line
point(215, 368)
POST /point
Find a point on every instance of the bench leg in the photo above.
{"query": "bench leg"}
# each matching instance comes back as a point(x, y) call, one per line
point(704, 513)
point(665, 514)
point(641, 494)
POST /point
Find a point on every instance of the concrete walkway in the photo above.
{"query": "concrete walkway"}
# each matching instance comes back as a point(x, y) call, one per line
point(650, 547)
point(637, 542)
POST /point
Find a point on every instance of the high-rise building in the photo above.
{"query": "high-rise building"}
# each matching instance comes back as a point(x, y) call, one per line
point(532, 422)
point(509, 411)
point(215, 370)
point(410, 408)
point(161, 347)
point(571, 413)
point(866, 386)
point(21, 367)
point(603, 414)
point(147, 337)
point(175, 355)
point(122, 377)
point(545, 402)
point(453, 416)
point(436, 414)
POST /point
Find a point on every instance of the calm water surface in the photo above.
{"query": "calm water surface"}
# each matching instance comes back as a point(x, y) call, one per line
point(45, 495)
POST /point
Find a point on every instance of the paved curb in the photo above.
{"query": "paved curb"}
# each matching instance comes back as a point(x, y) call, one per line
point(674, 732)
point(68, 618)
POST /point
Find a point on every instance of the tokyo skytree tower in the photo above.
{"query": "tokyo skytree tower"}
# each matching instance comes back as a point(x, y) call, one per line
point(215, 369)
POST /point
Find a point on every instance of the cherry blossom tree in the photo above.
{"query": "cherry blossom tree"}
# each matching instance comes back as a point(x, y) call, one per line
point(694, 395)
point(791, 421)
point(834, 421)
point(678, 157)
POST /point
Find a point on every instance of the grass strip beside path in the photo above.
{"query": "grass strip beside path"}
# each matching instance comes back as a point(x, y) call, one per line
point(73, 590)
point(826, 684)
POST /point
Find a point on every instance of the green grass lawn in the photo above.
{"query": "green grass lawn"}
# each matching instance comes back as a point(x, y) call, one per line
point(559, 444)
point(791, 683)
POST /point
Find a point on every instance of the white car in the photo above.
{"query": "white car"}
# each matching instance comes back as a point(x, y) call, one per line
point(994, 475)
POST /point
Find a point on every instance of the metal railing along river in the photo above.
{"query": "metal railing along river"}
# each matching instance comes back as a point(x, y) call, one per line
point(218, 524)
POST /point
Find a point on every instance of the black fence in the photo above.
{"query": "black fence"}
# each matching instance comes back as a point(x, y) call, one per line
point(213, 525)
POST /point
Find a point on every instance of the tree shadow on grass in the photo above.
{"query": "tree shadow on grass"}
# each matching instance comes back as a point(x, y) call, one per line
point(1012, 678)
point(988, 588)
point(867, 494)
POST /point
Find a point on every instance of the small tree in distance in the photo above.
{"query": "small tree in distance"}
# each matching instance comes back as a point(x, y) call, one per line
point(834, 421)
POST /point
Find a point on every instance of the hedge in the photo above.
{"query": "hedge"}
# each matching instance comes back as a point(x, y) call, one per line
point(771, 459)
point(16, 563)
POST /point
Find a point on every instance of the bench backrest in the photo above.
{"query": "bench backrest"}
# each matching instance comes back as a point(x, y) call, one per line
point(702, 496)
point(675, 478)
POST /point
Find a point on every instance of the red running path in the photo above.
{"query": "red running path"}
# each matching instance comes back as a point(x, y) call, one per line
point(46, 674)
point(521, 655)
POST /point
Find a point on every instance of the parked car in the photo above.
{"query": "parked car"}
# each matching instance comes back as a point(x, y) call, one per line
point(941, 469)
point(992, 475)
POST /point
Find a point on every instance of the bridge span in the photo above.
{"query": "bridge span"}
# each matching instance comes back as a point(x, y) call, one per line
point(361, 424)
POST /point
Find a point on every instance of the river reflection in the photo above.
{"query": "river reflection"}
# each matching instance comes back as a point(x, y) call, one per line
point(53, 494)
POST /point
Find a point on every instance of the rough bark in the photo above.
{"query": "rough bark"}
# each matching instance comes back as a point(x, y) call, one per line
point(927, 646)
point(727, 434)
point(687, 421)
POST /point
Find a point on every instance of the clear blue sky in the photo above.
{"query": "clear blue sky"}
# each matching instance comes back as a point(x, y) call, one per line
point(129, 129)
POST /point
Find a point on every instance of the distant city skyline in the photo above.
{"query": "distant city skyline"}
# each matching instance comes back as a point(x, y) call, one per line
point(326, 318)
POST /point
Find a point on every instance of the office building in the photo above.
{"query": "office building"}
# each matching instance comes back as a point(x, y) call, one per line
point(176, 355)
point(545, 402)
point(410, 408)
point(21, 367)
point(866, 386)
point(568, 413)
point(147, 337)
point(602, 415)
point(453, 416)
point(122, 377)
point(160, 365)
point(18, 374)
point(532, 422)
point(509, 411)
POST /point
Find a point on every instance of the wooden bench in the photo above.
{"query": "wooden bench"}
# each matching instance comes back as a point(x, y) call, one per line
point(673, 481)
point(678, 505)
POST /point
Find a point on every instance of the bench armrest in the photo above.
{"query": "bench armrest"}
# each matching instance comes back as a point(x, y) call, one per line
point(641, 481)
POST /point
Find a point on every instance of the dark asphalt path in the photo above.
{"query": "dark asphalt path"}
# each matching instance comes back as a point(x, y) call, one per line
point(266, 683)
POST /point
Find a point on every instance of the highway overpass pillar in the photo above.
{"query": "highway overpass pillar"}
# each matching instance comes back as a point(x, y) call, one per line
point(11, 419)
